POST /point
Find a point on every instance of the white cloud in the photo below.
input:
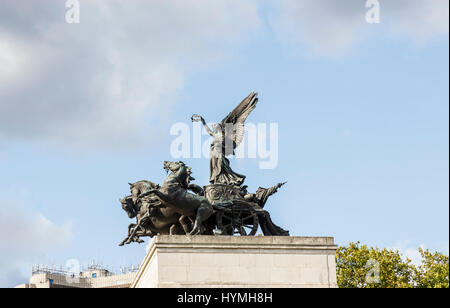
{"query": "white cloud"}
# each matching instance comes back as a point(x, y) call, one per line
point(325, 27)
point(114, 77)
point(420, 20)
point(13, 60)
point(24, 235)
point(332, 28)
point(409, 252)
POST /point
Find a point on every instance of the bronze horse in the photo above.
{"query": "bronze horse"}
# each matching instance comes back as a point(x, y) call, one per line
point(174, 194)
point(166, 209)
point(152, 217)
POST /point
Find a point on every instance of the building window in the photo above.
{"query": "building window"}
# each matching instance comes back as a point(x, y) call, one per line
point(94, 275)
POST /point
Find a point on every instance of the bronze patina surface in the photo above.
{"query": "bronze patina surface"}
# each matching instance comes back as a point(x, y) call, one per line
point(224, 207)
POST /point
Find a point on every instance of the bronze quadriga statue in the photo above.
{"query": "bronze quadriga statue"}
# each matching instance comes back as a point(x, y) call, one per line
point(224, 207)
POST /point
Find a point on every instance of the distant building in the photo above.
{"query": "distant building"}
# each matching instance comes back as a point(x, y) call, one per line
point(94, 277)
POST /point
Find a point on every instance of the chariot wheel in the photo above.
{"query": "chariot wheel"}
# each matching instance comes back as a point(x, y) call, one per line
point(241, 220)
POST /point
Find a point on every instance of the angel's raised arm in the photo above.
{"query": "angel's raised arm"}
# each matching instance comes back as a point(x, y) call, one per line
point(208, 130)
point(196, 118)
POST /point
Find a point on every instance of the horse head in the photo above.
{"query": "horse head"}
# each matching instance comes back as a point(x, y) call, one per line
point(141, 187)
point(173, 166)
point(135, 191)
point(179, 173)
point(128, 206)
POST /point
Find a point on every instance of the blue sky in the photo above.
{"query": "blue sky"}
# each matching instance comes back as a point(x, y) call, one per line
point(85, 108)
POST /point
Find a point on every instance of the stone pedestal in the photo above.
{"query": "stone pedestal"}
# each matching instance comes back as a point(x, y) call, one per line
point(238, 261)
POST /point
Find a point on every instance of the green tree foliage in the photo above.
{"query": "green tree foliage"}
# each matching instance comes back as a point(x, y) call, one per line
point(433, 272)
point(359, 266)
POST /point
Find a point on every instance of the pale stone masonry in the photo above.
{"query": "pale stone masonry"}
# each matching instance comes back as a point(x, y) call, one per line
point(238, 261)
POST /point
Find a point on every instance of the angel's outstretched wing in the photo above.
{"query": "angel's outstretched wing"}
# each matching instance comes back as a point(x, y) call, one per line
point(233, 124)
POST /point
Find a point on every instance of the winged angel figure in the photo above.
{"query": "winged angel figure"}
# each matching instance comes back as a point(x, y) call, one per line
point(227, 135)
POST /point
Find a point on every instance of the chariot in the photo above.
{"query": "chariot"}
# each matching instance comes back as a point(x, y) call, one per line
point(238, 217)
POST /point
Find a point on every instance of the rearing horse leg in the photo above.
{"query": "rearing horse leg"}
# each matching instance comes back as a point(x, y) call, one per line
point(184, 224)
point(204, 211)
point(172, 229)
